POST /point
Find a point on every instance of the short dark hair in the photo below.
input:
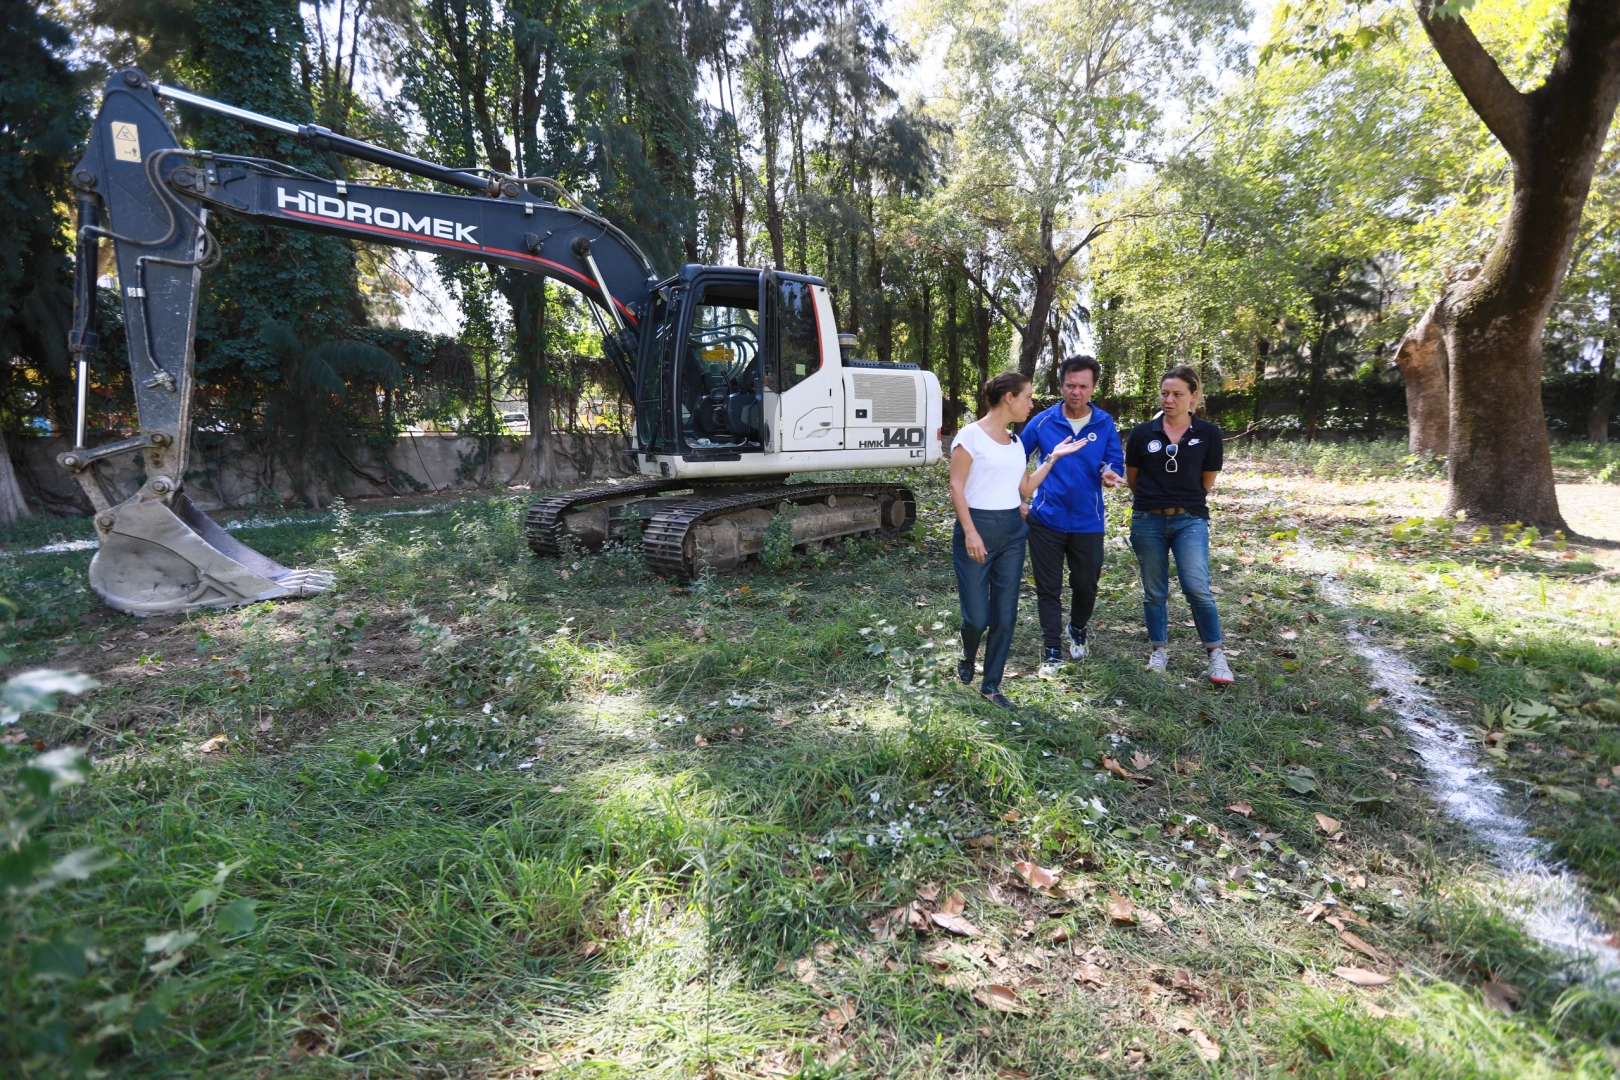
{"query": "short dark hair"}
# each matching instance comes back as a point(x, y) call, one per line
point(1008, 382)
point(1080, 362)
point(1185, 374)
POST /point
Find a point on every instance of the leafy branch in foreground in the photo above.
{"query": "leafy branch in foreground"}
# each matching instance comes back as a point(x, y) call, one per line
point(49, 961)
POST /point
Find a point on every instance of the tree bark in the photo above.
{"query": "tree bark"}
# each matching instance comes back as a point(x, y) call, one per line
point(1425, 366)
point(12, 505)
point(1597, 424)
point(953, 355)
point(1500, 466)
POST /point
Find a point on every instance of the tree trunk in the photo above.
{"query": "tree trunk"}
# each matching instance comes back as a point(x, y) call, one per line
point(1597, 425)
point(1262, 353)
point(981, 327)
point(1313, 390)
point(1499, 465)
point(1426, 368)
point(531, 348)
point(12, 505)
point(953, 356)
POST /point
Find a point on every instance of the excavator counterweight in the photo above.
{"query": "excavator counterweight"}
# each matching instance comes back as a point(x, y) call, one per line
point(738, 376)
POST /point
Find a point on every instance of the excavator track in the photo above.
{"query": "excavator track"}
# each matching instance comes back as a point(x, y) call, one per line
point(545, 527)
point(668, 542)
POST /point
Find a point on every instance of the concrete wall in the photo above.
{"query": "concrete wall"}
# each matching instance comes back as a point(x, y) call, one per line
point(224, 474)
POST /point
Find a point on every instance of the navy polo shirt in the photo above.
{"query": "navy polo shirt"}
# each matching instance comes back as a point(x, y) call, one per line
point(1157, 488)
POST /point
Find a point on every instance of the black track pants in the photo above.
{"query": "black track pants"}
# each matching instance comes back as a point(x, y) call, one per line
point(1048, 551)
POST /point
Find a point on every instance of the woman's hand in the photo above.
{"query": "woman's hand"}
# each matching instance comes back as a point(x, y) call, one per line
point(1065, 448)
point(975, 547)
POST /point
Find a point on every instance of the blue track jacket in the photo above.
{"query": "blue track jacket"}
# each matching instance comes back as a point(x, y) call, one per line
point(1070, 498)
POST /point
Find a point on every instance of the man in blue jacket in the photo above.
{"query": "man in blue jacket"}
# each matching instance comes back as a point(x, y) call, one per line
point(1066, 516)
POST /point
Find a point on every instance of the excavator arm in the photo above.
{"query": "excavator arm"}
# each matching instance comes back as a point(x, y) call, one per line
point(138, 188)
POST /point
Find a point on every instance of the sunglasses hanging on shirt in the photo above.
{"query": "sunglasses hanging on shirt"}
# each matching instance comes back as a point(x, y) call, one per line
point(1170, 464)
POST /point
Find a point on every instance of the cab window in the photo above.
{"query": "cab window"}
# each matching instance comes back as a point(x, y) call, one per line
point(798, 338)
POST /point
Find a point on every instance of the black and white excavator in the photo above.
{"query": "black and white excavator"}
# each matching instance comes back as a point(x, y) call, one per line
point(738, 376)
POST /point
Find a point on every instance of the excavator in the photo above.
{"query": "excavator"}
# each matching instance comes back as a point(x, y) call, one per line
point(738, 376)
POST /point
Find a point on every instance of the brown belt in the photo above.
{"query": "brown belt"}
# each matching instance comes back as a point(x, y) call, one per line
point(1168, 511)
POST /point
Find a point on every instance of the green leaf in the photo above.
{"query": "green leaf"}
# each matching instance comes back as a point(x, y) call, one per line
point(1466, 663)
point(63, 955)
point(155, 1009)
point(36, 690)
point(237, 917)
point(19, 868)
point(198, 900)
point(74, 866)
point(1564, 795)
point(875, 649)
point(1300, 779)
point(50, 772)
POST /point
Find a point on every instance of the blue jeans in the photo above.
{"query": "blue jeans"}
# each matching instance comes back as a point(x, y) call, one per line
point(989, 590)
point(1154, 537)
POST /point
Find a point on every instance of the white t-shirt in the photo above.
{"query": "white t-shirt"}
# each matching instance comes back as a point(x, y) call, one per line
point(992, 481)
point(1077, 425)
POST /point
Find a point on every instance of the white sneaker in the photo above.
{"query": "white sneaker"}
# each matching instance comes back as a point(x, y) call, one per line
point(1049, 670)
point(1078, 649)
point(1220, 672)
point(1159, 660)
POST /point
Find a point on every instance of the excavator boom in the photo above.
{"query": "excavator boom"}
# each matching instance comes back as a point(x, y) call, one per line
point(137, 187)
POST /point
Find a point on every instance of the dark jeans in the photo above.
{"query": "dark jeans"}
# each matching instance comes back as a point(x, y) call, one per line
point(989, 590)
point(1048, 551)
point(1155, 537)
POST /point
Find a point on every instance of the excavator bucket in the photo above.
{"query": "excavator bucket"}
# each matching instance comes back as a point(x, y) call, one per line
point(162, 559)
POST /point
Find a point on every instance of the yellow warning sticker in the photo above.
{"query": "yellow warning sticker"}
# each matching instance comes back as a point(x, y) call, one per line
point(126, 142)
point(718, 352)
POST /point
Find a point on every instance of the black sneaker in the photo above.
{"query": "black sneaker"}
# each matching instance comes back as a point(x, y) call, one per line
point(1077, 643)
point(964, 670)
point(995, 698)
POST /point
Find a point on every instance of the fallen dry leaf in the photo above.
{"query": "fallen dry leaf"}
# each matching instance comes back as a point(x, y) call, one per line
point(998, 997)
point(1208, 1049)
point(1011, 815)
point(1090, 975)
point(1121, 909)
point(954, 904)
point(1038, 876)
point(1289, 634)
point(557, 789)
point(928, 892)
point(985, 841)
point(1059, 935)
point(1241, 808)
point(1355, 942)
point(215, 745)
point(1361, 976)
point(839, 1016)
point(700, 740)
point(1140, 760)
point(1500, 995)
point(1375, 1011)
point(955, 924)
point(589, 949)
point(1327, 824)
point(1119, 770)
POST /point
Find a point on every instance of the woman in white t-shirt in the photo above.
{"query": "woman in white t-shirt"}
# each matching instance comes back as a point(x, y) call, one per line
point(989, 480)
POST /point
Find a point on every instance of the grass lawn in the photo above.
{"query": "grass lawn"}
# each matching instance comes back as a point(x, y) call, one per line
point(509, 817)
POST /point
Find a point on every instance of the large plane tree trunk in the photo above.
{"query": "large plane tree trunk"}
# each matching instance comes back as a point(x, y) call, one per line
point(1500, 464)
point(1426, 369)
point(12, 505)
